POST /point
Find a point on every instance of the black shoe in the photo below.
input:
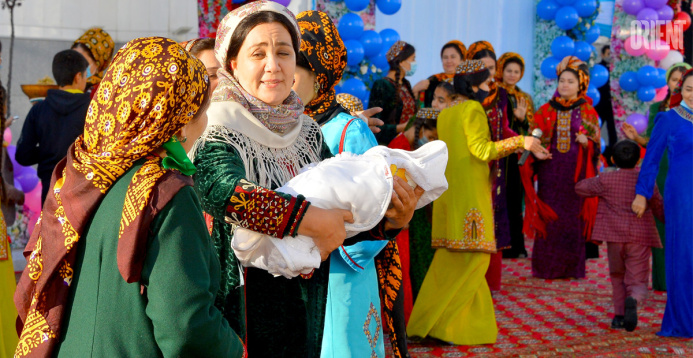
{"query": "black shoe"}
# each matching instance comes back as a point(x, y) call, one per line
point(630, 319)
point(617, 322)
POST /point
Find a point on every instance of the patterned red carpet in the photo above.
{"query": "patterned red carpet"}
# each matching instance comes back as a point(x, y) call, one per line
point(546, 318)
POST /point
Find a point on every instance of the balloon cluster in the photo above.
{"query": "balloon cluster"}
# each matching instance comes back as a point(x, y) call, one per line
point(284, 3)
point(649, 10)
point(566, 13)
point(25, 179)
point(365, 44)
point(649, 82)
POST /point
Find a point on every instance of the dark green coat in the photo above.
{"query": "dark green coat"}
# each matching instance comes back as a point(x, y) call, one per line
point(175, 316)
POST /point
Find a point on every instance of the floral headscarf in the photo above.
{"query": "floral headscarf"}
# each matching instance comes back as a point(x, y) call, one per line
point(350, 102)
point(323, 50)
point(572, 63)
point(478, 47)
point(279, 119)
point(100, 45)
point(153, 88)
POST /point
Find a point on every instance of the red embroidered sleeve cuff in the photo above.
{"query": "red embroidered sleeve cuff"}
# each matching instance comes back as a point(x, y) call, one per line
point(265, 211)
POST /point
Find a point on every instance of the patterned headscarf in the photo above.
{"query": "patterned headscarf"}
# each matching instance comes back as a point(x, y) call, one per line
point(460, 45)
point(395, 50)
point(572, 63)
point(228, 25)
point(323, 50)
point(350, 102)
point(478, 47)
point(502, 61)
point(188, 45)
point(100, 44)
point(279, 119)
point(153, 88)
point(676, 98)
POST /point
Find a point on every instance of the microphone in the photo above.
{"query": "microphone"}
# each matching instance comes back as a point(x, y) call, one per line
point(536, 133)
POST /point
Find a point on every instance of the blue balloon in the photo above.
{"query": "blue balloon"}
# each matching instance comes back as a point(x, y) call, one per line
point(372, 43)
point(355, 87)
point(548, 67)
point(238, 1)
point(389, 37)
point(388, 7)
point(380, 61)
point(585, 8)
point(592, 34)
point(350, 26)
point(565, 2)
point(661, 78)
point(593, 92)
point(603, 143)
point(647, 76)
point(629, 81)
point(546, 9)
point(599, 75)
point(356, 5)
point(562, 47)
point(600, 121)
point(647, 93)
point(355, 52)
point(583, 50)
point(567, 17)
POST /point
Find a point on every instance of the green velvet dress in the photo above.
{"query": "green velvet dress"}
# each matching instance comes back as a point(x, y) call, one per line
point(659, 282)
point(278, 317)
point(170, 312)
point(420, 250)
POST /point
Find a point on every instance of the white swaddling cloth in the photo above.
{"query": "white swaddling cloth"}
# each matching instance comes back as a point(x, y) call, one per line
point(362, 184)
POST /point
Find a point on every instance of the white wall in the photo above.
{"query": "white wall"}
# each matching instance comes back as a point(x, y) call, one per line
point(428, 24)
point(123, 19)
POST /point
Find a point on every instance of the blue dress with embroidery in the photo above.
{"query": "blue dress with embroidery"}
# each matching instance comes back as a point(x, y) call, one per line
point(353, 325)
point(673, 133)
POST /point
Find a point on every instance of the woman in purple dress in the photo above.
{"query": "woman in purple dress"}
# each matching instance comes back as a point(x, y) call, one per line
point(571, 132)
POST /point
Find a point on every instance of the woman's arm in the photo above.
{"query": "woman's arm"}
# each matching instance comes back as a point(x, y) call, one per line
point(479, 142)
point(226, 193)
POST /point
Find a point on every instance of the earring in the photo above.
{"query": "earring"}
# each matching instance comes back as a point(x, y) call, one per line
point(183, 139)
point(316, 86)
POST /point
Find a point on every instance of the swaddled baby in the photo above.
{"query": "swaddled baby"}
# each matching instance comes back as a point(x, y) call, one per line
point(362, 184)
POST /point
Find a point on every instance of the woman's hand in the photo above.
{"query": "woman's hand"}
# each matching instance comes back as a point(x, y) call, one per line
point(582, 139)
point(521, 110)
point(534, 145)
point(639, 205)
point(326, 227)
point(373, 123)
point(404, 201)
point(421, 86)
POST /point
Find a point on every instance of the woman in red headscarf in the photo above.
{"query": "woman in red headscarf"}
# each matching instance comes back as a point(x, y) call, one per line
point(571, 130)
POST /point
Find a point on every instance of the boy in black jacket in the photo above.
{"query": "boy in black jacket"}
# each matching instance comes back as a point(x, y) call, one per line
point(53, 124)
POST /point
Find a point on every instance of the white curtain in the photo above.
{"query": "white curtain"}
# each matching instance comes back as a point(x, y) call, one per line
point(428, 24)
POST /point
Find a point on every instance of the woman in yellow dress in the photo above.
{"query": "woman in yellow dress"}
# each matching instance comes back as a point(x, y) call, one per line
point(8, 314)
point(455, 304)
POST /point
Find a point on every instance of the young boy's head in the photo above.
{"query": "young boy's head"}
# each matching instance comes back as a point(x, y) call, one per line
point(626, 154)
point(69, 69)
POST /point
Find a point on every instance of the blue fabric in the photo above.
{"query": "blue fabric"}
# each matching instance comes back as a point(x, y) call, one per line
point(358, 139)
point(674, 134)
point(353, 324)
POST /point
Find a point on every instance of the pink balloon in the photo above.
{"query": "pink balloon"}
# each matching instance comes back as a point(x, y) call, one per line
point(7, 136)
point(661, 94)
point(635, 46)
point(658, 50)
point(32, 202)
